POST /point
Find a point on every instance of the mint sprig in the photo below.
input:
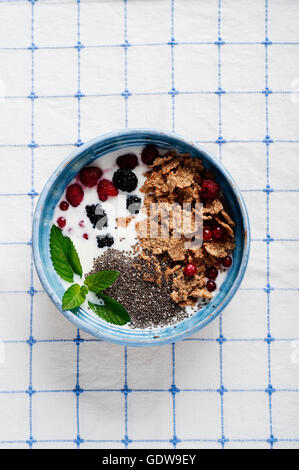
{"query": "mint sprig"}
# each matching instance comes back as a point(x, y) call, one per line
point(111, 311)
point(74, 296)
point(64, 256)
point(66, 263)
point(101, 280)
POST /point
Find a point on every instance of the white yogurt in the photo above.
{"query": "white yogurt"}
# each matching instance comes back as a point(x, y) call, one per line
point(77, 222)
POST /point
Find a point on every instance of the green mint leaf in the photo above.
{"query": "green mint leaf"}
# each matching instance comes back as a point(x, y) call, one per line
point(72, 256)
point(73, 297)
point(64, 256)
point(112, 311)
point(101, 280)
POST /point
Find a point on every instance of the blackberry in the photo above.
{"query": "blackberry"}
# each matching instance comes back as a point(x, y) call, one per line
point(125, 180)
point(104, 240)
point(133, 204)
point(97, 216)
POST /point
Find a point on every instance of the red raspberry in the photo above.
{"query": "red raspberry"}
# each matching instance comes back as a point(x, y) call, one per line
point(149, 154)
point(127, 162)
point(106, 188)
point(211, 285)
point(212, 273)
point(218, 233)
point(190, 270)
point(64, 205)
point(74, 194)
point(90, 175)
point(61, 222)
point(226, 262)
point(206, 234)
point(210, 189)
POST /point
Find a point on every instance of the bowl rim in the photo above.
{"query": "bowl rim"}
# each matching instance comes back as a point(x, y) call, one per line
point(114, 337)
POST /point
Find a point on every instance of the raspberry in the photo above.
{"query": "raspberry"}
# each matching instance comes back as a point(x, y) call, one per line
point(61, 222)
point(106, 188)
point(226, 262)
point(104, 240)
point(74, 194)
point(125, 180)
point(149, 154)
point(64, 205)
point(190, 270)
point(218, 233)
point(90, 175)
point(127, 162)
point(97, 216)
point(206, 234)
point(211, 285)
point(212, 273)
point(210, 189)
point(133, 204)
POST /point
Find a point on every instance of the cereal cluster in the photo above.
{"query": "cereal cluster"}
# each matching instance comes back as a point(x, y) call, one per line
point(168, 243)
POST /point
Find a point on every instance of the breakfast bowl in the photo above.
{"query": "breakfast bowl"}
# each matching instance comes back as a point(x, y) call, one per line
point(93, 150)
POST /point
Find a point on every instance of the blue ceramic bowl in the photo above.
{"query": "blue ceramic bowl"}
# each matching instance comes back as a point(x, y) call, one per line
point(51, 194)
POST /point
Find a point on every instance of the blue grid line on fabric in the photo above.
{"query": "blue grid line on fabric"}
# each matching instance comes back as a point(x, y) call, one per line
point(218, 339)
point(125, 46)
point(222, 440)
point(31, 341)
point(151, 44)
point(173, 92)
point(78, 440)
point(270, 388)
point(32, 193)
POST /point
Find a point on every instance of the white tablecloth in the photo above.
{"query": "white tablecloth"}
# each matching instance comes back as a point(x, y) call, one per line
point(225, 73)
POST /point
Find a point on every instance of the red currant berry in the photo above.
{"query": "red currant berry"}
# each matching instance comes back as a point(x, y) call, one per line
point(210, 189)
point(226, 262)
point(61, 222)
point(206, 234)
point(211, 285)
point(81, 223)
point(64, 205)
point(190, 270)
point(212, 273)
point(218, 233)
point(85, 235)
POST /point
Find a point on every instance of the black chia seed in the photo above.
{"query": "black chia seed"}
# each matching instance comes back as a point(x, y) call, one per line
point(148, 305)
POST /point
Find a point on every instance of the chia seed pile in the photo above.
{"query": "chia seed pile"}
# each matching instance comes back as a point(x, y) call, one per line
point(148, 305)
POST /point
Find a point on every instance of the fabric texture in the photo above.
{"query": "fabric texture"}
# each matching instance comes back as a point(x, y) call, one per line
point(225, 73)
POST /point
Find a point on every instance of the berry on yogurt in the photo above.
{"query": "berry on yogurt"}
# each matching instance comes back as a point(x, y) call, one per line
point(105, 189)
point(133, 204)
point(97, 216)
point(74, 194)
point(61, 222)
point(149, 154)
point(64, 205)
point(104, 240)
point(125, 180)
point(129, 161)
point(90, 175)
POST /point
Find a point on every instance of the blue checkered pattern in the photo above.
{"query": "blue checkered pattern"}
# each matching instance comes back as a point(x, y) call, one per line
point(231, 385)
